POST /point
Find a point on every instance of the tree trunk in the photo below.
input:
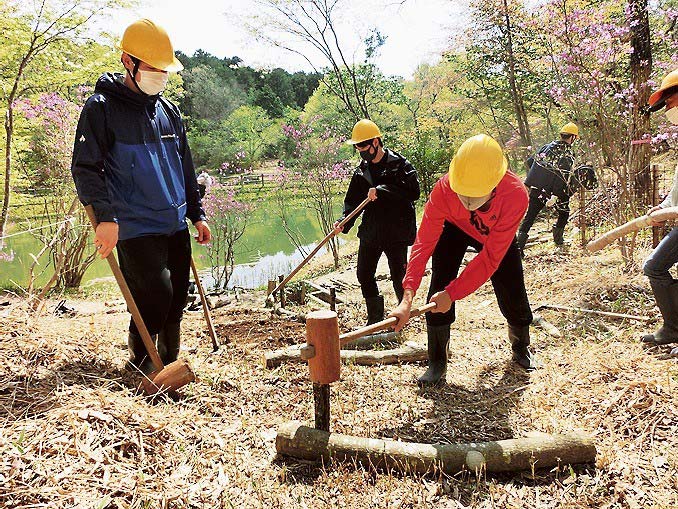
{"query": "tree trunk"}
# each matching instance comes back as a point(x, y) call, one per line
point(517, 98)
point(9, 131)
point(641, 66)
point(539, 450)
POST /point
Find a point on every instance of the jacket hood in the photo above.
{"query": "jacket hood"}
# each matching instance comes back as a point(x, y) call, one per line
point(112, 84)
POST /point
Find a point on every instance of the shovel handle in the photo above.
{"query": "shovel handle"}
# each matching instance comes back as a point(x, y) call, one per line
point(205, 307)
point(384, 324)
point(355, 212)
point(127, 294)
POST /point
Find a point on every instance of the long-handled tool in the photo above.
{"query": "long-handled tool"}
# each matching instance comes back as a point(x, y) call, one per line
point(170, 377)
point(205, 307)
point(355, 212)
point(634, 225)
point(308, 352)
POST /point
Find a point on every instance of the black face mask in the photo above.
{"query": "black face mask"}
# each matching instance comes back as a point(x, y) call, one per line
point(368, 155)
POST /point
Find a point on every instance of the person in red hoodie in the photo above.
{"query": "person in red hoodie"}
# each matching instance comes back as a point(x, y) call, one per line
point(478, 203)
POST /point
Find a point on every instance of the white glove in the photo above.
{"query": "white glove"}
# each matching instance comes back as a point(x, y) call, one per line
point(552, 201)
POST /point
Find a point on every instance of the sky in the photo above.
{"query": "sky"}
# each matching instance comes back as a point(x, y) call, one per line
point(417, 30)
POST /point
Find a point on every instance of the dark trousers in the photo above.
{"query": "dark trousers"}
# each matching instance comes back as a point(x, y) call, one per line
point(537, 202)
point(658, 266)
point(508, 280)
point(156, 268)
point(368, 257)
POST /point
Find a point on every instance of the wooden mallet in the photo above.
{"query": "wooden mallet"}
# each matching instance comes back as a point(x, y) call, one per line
point(165, 378)
point(636, 224)
point(323, 353)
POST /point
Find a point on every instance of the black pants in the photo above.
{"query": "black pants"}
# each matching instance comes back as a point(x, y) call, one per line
point(368, 257)
point(537, 203)
point(508, 280)
point(156, 268)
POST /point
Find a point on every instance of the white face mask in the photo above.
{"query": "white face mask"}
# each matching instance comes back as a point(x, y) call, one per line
point(672, 115)
point(152, 82)
point(473, 203)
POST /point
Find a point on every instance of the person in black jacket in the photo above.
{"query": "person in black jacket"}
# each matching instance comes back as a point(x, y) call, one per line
point(132, 163)
point(548, 184)
point(389, 223)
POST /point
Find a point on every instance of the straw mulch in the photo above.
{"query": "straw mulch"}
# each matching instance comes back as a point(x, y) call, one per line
point(76, 434)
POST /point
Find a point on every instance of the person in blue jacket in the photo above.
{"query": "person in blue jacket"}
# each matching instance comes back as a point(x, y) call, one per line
point(132, 164)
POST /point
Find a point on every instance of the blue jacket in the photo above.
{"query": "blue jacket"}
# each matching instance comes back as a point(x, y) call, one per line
point(132, 163)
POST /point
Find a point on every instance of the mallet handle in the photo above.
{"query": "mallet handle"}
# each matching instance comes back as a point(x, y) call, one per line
point(355, 212)
point(205, 307)
point(384, 324)
point(133, 309)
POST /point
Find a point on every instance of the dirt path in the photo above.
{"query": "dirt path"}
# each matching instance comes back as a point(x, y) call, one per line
point(74, 434)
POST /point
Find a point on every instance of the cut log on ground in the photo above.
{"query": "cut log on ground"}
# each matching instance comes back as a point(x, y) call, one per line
point(538, 450)
point(409, 352)
point(297, 317)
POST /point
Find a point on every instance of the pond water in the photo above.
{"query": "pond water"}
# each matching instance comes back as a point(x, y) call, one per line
point(262, 253)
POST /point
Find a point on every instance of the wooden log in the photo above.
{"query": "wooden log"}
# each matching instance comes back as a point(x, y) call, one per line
point(322, 332)
point(409, 352)
point(538, 450)
point(636, 224)
point(380, 338)
point(321, 399)
point(298, 317)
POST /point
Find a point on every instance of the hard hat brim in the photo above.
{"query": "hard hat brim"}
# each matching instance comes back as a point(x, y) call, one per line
point(174, 66)
point(658, 100)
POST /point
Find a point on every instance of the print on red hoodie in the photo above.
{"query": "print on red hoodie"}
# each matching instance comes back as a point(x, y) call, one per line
point(495, 228)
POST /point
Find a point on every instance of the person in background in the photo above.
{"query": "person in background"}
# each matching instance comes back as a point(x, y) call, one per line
point(389, 223)
point(204, 183)
point(548, 182)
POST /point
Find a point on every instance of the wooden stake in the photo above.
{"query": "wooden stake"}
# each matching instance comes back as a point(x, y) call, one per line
point(281, 286)
point(321, 398)
point(333, 298)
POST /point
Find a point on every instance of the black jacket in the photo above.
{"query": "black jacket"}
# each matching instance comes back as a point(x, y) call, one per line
point(132, 163)
point(551, 170)
point(391, 217)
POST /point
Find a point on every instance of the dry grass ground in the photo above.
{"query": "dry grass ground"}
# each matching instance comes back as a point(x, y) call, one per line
point(75, 434)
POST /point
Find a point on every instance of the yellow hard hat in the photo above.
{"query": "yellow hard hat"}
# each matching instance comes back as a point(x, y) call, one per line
point(364, 130)
point(477, 167)
point(150, 43)
point(658, 99)
point(570, 128)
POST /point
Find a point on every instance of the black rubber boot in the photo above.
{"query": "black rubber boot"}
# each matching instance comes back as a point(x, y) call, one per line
point(520, 341)
point(558, 233)
point(667, 302)
point(375, 309)
point(139, 359)
point(169, 342)
point(521, 240)
point(438, 340)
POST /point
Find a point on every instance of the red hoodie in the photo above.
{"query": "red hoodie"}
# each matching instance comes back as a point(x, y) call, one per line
point(499, 223)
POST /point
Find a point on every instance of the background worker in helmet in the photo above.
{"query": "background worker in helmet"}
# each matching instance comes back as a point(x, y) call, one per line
point(548, 182)
point(389, 223)
point(478, 203)
point(662, 259)
point(132, 163)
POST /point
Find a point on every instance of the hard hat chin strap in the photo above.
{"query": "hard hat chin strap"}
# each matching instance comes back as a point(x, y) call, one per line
point(134, 72)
